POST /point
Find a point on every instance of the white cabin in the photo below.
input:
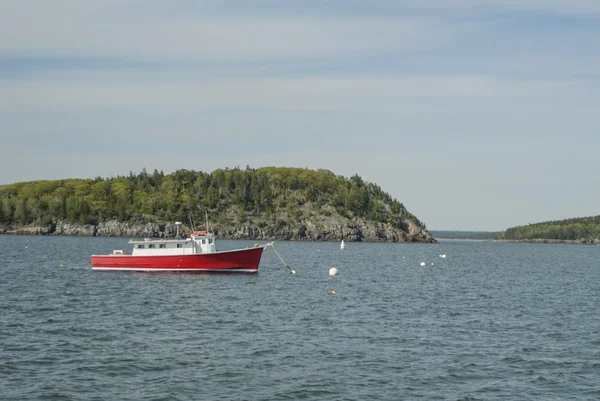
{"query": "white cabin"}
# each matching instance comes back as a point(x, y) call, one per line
point(198, 242)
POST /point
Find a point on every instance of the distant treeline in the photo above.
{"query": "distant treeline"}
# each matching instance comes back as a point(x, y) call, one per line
point(583, 228)
point(226, 194)
point(464, 234)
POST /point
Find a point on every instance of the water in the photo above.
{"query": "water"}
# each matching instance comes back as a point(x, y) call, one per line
point(491, 322)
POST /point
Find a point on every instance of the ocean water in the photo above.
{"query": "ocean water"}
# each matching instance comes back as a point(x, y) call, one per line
point(492, 321)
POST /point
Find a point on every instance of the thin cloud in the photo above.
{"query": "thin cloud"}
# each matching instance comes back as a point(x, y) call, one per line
point(299, 93)
point(473, 102)
point(47, 30)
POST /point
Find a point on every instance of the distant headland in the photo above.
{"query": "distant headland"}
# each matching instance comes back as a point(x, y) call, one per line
point(271, 203)
point(581, 230)
point(466, 235)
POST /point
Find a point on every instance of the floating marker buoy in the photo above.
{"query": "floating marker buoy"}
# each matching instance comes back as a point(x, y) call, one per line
point(431, 263)
point(293, 271)
point(444, 256)
point(332, 271)
point(422, 264)
point(61, 265)
point(331, 292)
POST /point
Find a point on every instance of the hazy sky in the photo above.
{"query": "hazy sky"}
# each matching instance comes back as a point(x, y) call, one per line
point(477, 115)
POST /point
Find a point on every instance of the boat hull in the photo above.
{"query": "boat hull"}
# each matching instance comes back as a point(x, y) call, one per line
point(237, 261)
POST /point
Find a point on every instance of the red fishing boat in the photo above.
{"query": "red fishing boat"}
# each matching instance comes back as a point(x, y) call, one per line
point(196, 253)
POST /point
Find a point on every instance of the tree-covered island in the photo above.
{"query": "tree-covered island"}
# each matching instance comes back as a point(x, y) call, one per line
point(266, 203)
point(584, 230)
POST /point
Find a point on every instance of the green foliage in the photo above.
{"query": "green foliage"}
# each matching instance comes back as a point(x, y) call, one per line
point(273, 193)
point(583, 228)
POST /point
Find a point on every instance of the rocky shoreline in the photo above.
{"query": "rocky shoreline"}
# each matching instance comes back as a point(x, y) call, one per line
point(352, 231)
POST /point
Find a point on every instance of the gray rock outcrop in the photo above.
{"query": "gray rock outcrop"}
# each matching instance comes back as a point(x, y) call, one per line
point(308, 230)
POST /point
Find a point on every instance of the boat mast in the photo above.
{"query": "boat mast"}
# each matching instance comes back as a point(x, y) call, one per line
point(177, 224)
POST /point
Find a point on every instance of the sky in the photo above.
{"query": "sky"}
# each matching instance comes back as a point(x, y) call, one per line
point(477, 115)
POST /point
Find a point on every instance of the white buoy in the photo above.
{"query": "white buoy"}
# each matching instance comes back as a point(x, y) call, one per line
point(444, 256)
point(332, 271)
point(422, 264)
point(293, 271)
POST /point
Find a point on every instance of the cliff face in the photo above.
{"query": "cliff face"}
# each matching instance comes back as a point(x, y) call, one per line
point(360, 231)
point(309, 230)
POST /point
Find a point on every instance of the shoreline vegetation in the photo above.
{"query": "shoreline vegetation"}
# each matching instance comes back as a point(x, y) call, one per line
point(497, 236)
point(594, 241)
point(271, 203)
point(581, 230)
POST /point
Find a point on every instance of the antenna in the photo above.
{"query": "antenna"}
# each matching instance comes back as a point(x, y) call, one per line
point(207, 229)
point(177, 224)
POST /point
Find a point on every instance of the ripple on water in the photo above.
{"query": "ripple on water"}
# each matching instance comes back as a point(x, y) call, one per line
point(495, 321)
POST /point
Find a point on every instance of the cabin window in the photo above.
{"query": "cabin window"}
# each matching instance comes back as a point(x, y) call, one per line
point(162, 245)
point(141, 247)
point(210, 240)
point(203, 241)
point(179, 246)
point(151, 246)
